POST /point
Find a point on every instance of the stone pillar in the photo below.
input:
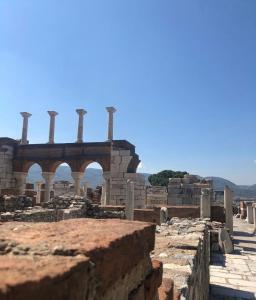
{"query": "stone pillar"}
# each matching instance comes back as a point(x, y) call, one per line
point(129, 206)
point(48, 176)
point(20, 178)
point(85, 187)
point(205, 204)
point(52, 115)
point(228, 205)
point(24, 138)
point(254, 215)
point(249, 212)
point(163, 215)
point(38, 192)
point(106, 176)
point(110, 111)
point(103, 194)
point(77, 176)
point(81, 113)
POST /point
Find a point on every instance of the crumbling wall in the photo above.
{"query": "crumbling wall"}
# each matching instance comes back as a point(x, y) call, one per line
point(156, 195)
point(116, 180)
point(78, 259)
point(183, 247)
point(7, 180)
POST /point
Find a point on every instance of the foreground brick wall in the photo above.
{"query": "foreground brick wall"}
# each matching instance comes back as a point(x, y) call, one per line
point(78, 259)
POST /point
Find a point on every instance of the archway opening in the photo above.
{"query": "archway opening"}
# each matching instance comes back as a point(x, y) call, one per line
point(34, 174)
point(63, 183)
point(92, 182)
point(34, 182)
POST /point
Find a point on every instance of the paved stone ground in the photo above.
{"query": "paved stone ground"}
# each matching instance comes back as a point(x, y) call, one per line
point(233, 276)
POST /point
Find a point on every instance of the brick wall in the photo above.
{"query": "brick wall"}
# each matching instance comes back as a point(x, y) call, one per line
point(78, 259)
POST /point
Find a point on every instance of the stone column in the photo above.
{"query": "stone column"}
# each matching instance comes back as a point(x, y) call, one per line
point(80, 130)
point(249, 212)
point(254, 215)
point(129, 206)
point(20, 178)
point(48, 177)
point(103, 194)
point(24, 138)
point(85, 187)
point(228, 206)
point(205, 204)
point(38, 192)
point(106, 176)
point(77, 176)
point(110, 111)
point(52, 115)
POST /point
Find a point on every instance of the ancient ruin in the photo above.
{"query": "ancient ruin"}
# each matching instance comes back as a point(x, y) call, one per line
point(118, 160)
point(122, 240)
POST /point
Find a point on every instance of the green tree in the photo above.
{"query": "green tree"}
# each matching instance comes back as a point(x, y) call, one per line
point(162, 178)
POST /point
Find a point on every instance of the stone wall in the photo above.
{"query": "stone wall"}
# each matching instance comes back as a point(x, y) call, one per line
point(156, 195)
point(187, 190)
point(7, 180)
point(78, 259)
point(116, 180)
point(184, 249)
point(153, 214)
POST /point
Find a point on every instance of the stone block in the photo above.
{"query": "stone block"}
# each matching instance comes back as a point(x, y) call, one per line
point(73, 259)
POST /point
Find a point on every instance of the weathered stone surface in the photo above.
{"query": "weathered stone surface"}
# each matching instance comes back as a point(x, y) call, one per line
point(183, 247)
point(225, 242)
point(73, 244)
point(48, 277)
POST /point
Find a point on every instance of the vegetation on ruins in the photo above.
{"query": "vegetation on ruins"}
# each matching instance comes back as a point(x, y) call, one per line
point(162, 178)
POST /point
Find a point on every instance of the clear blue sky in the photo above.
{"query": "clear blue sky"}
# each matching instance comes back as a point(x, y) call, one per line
point(181, 73)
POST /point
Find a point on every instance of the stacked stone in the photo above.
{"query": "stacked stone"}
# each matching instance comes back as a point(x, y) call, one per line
point(187, 190)
point(64, 202)
point(183, 247)
point(120, 160)
point(156, 195)
point(6, 155)
point(12, 203)
point(78, 263)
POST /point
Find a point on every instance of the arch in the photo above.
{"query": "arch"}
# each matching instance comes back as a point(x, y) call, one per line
point(34, 173)
point(24, 166)
point(65, 172)
point(84, 165)
point(133, 165)
point(93, 179)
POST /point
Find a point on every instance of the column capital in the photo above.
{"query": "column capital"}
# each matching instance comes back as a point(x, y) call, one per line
point(81, 111)
point(110, 109)
point(25, 114)
point(52, 113)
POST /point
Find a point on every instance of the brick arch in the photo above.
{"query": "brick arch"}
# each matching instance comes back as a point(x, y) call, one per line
point(105, 164)
point(25, 165)
point(133, 165)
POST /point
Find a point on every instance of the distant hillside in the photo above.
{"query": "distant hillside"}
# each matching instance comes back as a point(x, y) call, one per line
point(247, 191)
point(94, 178)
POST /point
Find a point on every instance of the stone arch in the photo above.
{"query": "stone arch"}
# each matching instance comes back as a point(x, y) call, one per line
point(85, 163)
point(133, 165)
point(93, 187)
point(29, 170)
point(25, 165)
